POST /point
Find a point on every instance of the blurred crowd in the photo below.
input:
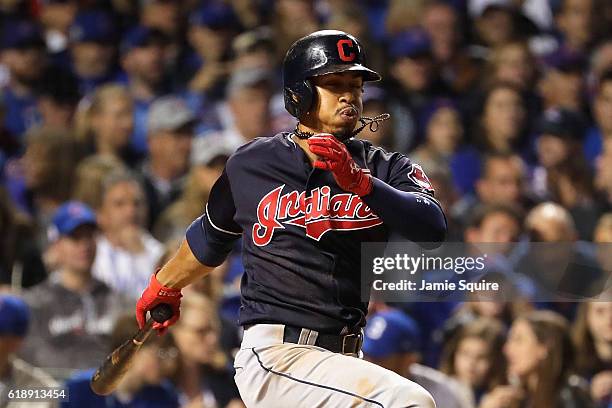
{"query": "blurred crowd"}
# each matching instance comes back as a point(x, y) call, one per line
point(117, 116)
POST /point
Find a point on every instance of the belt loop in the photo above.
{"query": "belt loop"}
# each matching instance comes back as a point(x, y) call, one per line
point(303, 339)
point(312, 337)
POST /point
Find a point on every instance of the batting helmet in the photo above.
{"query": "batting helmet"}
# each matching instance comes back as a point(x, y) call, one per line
point(322, 52)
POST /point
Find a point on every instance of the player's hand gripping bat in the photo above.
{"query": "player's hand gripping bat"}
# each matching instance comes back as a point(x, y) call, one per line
point(116, 364)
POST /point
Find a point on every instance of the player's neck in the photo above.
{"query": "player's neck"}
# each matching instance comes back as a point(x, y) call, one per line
point(303, 142)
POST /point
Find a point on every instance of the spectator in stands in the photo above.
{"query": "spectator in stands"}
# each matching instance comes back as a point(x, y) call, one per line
point(603, 175)
point(442, 22)
point(563, 174)
point(502, 120)
point(512, 63)
point(72, 312)
point(392, 340)
point(22, 52)
point(291, 20)
point(15, 373)
point(502, 180)
point(494, 23)
point(204, 376)
point(21, 263)
point(142, 59)
point(602, 110)
point(443, 134)
point(603, 236)
point(561, 84)
point(592, 336)
point(564, 271)
point(47, 175)
point(416, 83)
point(170, 132)
point(539, 353)
point(58, 96)
point(495, 223)
point(56, 18)
point(247, 114)
point(92, 48)
point(253, 49)
point(208, 157)
point(576, 23)
point(126, 252)
point(105, 122)
point(472, 356)
point(145, 384)
point(162, 15)
point(211, 28)
point(89, 178)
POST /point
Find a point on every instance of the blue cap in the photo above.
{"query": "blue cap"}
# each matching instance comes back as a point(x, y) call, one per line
point(14, 316)
point(566, 61)
point(141, 36)
point(430, 110)
point(410, 43)
point(214, 16)
point(562, 123)
point(72, 215)
point(391, 332)
point(21, 34)
point(92, 26)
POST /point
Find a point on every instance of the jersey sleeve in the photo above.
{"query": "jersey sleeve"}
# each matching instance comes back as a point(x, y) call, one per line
point(408, 176)
point(212, 235)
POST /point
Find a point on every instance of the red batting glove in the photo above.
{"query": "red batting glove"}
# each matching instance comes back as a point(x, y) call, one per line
point(153, 295)
point(333, 156)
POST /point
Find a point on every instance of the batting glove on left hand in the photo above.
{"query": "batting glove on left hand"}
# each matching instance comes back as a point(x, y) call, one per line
point(334, 156)
point(153, 295)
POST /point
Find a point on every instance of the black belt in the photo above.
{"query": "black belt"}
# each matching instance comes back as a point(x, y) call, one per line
point(336, 343)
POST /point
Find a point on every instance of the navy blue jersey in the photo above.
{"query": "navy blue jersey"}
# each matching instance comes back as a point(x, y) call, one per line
point(302, 234)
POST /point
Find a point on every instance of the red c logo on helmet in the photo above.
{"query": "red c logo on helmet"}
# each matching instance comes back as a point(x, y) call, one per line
point(349, 47)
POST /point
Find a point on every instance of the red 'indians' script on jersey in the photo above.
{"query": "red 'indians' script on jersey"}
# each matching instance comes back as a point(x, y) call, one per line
point(341, 212)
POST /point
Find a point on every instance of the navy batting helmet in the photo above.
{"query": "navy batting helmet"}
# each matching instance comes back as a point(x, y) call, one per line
point(322, 52)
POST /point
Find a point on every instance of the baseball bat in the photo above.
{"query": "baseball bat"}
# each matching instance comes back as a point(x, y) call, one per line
point(116, 364)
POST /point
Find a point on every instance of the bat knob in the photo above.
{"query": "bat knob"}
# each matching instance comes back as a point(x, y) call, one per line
point(161, 312)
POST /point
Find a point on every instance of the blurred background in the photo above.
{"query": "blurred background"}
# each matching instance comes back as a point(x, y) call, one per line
point(117, 116)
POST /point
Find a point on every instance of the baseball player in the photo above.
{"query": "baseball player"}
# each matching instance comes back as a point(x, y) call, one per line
point(303, 202)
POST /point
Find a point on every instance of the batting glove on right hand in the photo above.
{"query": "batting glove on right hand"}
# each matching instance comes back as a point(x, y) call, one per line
point(156, 294)
point(334, 156)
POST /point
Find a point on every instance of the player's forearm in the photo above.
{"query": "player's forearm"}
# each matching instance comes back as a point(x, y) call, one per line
point(414, 216)
point(182, 269)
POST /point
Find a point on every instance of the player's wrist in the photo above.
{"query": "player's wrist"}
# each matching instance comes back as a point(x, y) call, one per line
point(161, 290)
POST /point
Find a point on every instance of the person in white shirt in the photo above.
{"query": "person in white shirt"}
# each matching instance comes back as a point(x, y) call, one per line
point(126, 253)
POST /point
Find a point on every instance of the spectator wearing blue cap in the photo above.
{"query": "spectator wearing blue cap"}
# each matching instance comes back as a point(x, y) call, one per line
point(563, 174)
point(91, 37)
point(22, 52)
point(142, 59)
point(561, 84)
point(210, 32)
point(415, 83)
point(393, 341)
point(14, 372)
point(72, 313)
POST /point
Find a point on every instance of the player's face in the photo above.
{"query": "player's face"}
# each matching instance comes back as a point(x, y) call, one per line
point(339, 103)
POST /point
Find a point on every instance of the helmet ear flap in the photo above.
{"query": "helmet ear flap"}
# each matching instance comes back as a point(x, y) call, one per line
point(299, 98)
